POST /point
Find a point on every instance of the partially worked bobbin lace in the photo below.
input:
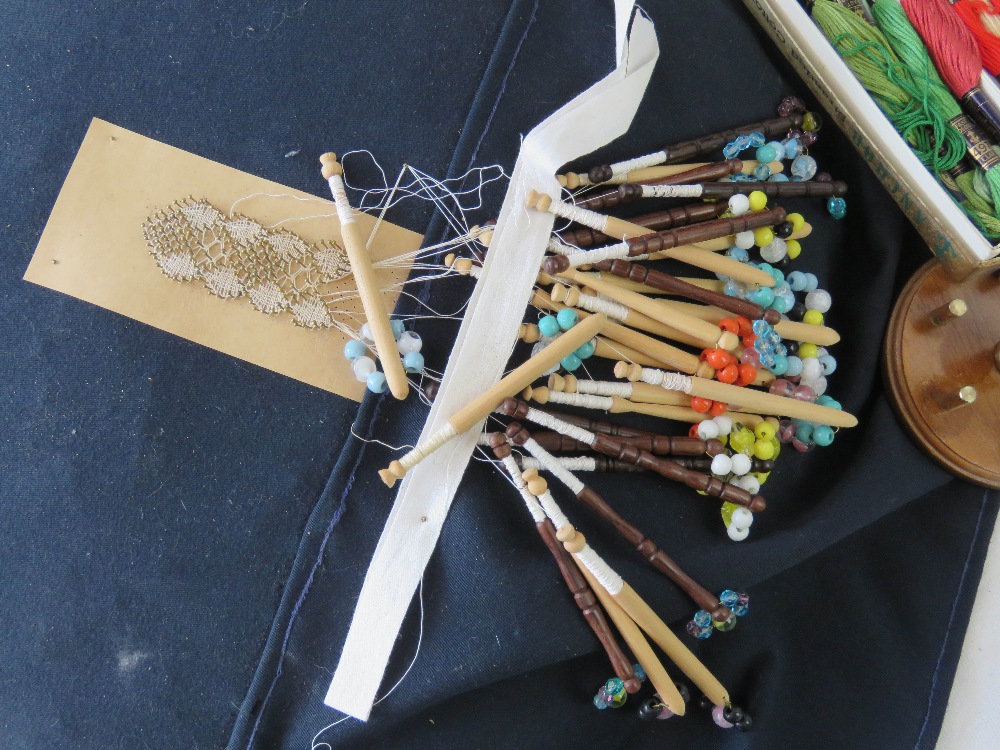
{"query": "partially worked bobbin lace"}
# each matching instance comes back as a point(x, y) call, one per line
point(235, 256)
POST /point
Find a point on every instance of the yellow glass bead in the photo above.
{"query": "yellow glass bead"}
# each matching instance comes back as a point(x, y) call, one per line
point(763, 236)
point(741, 440)
point(813, 318)
point(727, 512)
point(724, 439)
point(762, 476)
point(811, 122)
point(763, 450)
point(794, 248)
point(702, 492)
point(764, 431)
point(758, 201)
point(807, 350)
point(776, 444)
point(798, 221)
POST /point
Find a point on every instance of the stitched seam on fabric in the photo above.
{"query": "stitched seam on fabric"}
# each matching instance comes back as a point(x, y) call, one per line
point(951, 620)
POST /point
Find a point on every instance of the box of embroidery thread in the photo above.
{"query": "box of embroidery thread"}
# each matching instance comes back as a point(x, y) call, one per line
point(943, 224)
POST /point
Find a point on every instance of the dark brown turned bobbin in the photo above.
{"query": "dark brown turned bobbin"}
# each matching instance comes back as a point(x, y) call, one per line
point(582, 594)
point(689, 149)
point(659, 445)
point(667, 283)
point(705, 464)
point(645, 546)
point(671, 217)
point(600, 425)
point(627, 192)
point(834, 188)
point(556, 442)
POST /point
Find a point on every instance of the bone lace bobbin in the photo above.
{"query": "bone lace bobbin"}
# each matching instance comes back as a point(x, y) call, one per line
point(670, 218)
point(364, 275)
point(670, 239)
point(643, 544)
point(467, 417)
point(610, 446)
point(765, 403)
point(603, 577)
point(681, 151)
point(608, 225)
point(611, 404)
point(582, 594)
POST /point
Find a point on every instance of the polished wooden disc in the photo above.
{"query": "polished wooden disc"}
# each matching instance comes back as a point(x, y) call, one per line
point(927, 366)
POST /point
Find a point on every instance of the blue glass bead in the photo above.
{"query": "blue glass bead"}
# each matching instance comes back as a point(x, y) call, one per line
point(781, 349)
point(743, 142)
point(822, 435)
point(829, 364)
point(587, 350)
point(734, 289)
point(640, 673)
point(721, 276)
point(762, 172)
point(804, 432)
point(780, 366)
point(567, 318)
point(760, 327)
point(740, 610)
point(614, 686)
point(796, 280)
point(779, 148)
point(767, 359)
point(742, 604)
point(804, 167)
point(702, 618)
point(599, 702)
point(729, 598)
point(792, 147)
point(766, 154)
point(397, 328)
point(571, 362)
point(812, 283)
point(699, 632)
point(762, 296)
point(740, 177)
point(413, 362)
point(354, 349)
point(778, 177)
point(730, 150)
point(756, 139)
point(837, 207)
point(376, 382)
point(794, 367)
point(548, 326)
point(738, 253)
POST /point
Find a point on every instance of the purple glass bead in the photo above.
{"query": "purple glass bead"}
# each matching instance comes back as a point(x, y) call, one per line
point(808, 138)
point(719, 719)
point(665, 713)
point(750, 357)
point(823, 177)
point(790, 105)
point(743, 599)
point(804, 393)
point(781, 387)
point(800, 446)
point(786, 431)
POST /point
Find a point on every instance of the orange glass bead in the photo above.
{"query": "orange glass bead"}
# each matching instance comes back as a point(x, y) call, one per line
point(718, 409)
point(693, 431)
point(728, 374)
point(717, 358)
point(701, 405)
point(748, 374)
point(748, 341)
point(746, 327)
point(730, 324)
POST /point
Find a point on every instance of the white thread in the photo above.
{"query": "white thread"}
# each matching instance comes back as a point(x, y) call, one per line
point(672, 191)
point(609, 252)
point(640, 162)
point(344, 210)
point(613, 309)
point(553, 511)
point(605, 575)
point(552, 464)
point(530, 500)
point(584, 400)
point(570, 463)
point(583, 216)
point(430, 445)
point(671, 381)
point(563, 428)
point(604, 388)
point(560, 248)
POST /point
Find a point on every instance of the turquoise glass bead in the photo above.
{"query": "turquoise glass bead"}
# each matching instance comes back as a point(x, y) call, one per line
point(762, 296)
point(780, 366)
point(794, 367)
point(548, 326)
point(822, 435)
point(837, 207)
point(778, 177)
point(766, 153)
point(397, 328)
point(354, 349)
point(571, 362)
point(738, 253)
point(587, 350)
point(804, 432)
point(376, 382)
point(640, 673)
point(567, 318)
point(829, 364)
point(413, 362)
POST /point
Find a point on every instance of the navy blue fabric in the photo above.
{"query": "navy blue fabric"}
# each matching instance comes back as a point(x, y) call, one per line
point(185, 535)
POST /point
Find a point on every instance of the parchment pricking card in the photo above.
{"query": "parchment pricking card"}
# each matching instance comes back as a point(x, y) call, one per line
point(129, 200)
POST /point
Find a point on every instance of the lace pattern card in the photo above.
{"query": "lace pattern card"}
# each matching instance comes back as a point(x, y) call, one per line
point(149, 231)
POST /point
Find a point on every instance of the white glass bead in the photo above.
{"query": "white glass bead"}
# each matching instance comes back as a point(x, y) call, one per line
point(409, 342)
point(362, 368)
point(742, 518)
point(819, 300)
point(725, 424)
point(748, 482)
point(737, 535)
point(774, 251)
point(366, 334)
point(819, 385)
point(722, 465)
point(744, 240)
point(708, 429)
point(741, 464)
point(739, 204)
point(811, 369)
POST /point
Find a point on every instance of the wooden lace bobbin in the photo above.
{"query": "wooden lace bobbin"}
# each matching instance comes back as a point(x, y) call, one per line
point(516, 380)
point(711, 191)
point(603, 348)
point(724, 243)
point(604, 465)
point(787, 329)
point(685, 150)
point(645, 546)
point(574, 180)
point(603, 426)
point(758, 401)
point(669, 239)
point(368, 289)
point(668, 219)
point(582, 594)
point(944, 378)
point(658, 445)
point(611, 446)
point(609, 225)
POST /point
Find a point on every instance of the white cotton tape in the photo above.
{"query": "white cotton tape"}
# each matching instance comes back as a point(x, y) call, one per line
point(551, 463)
point(640, 162)
point(672, 191)
point(552, 510)
point(604, 388)
point(585, 400)
point(563, 428)
point(608, 578)
point(344, 210)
